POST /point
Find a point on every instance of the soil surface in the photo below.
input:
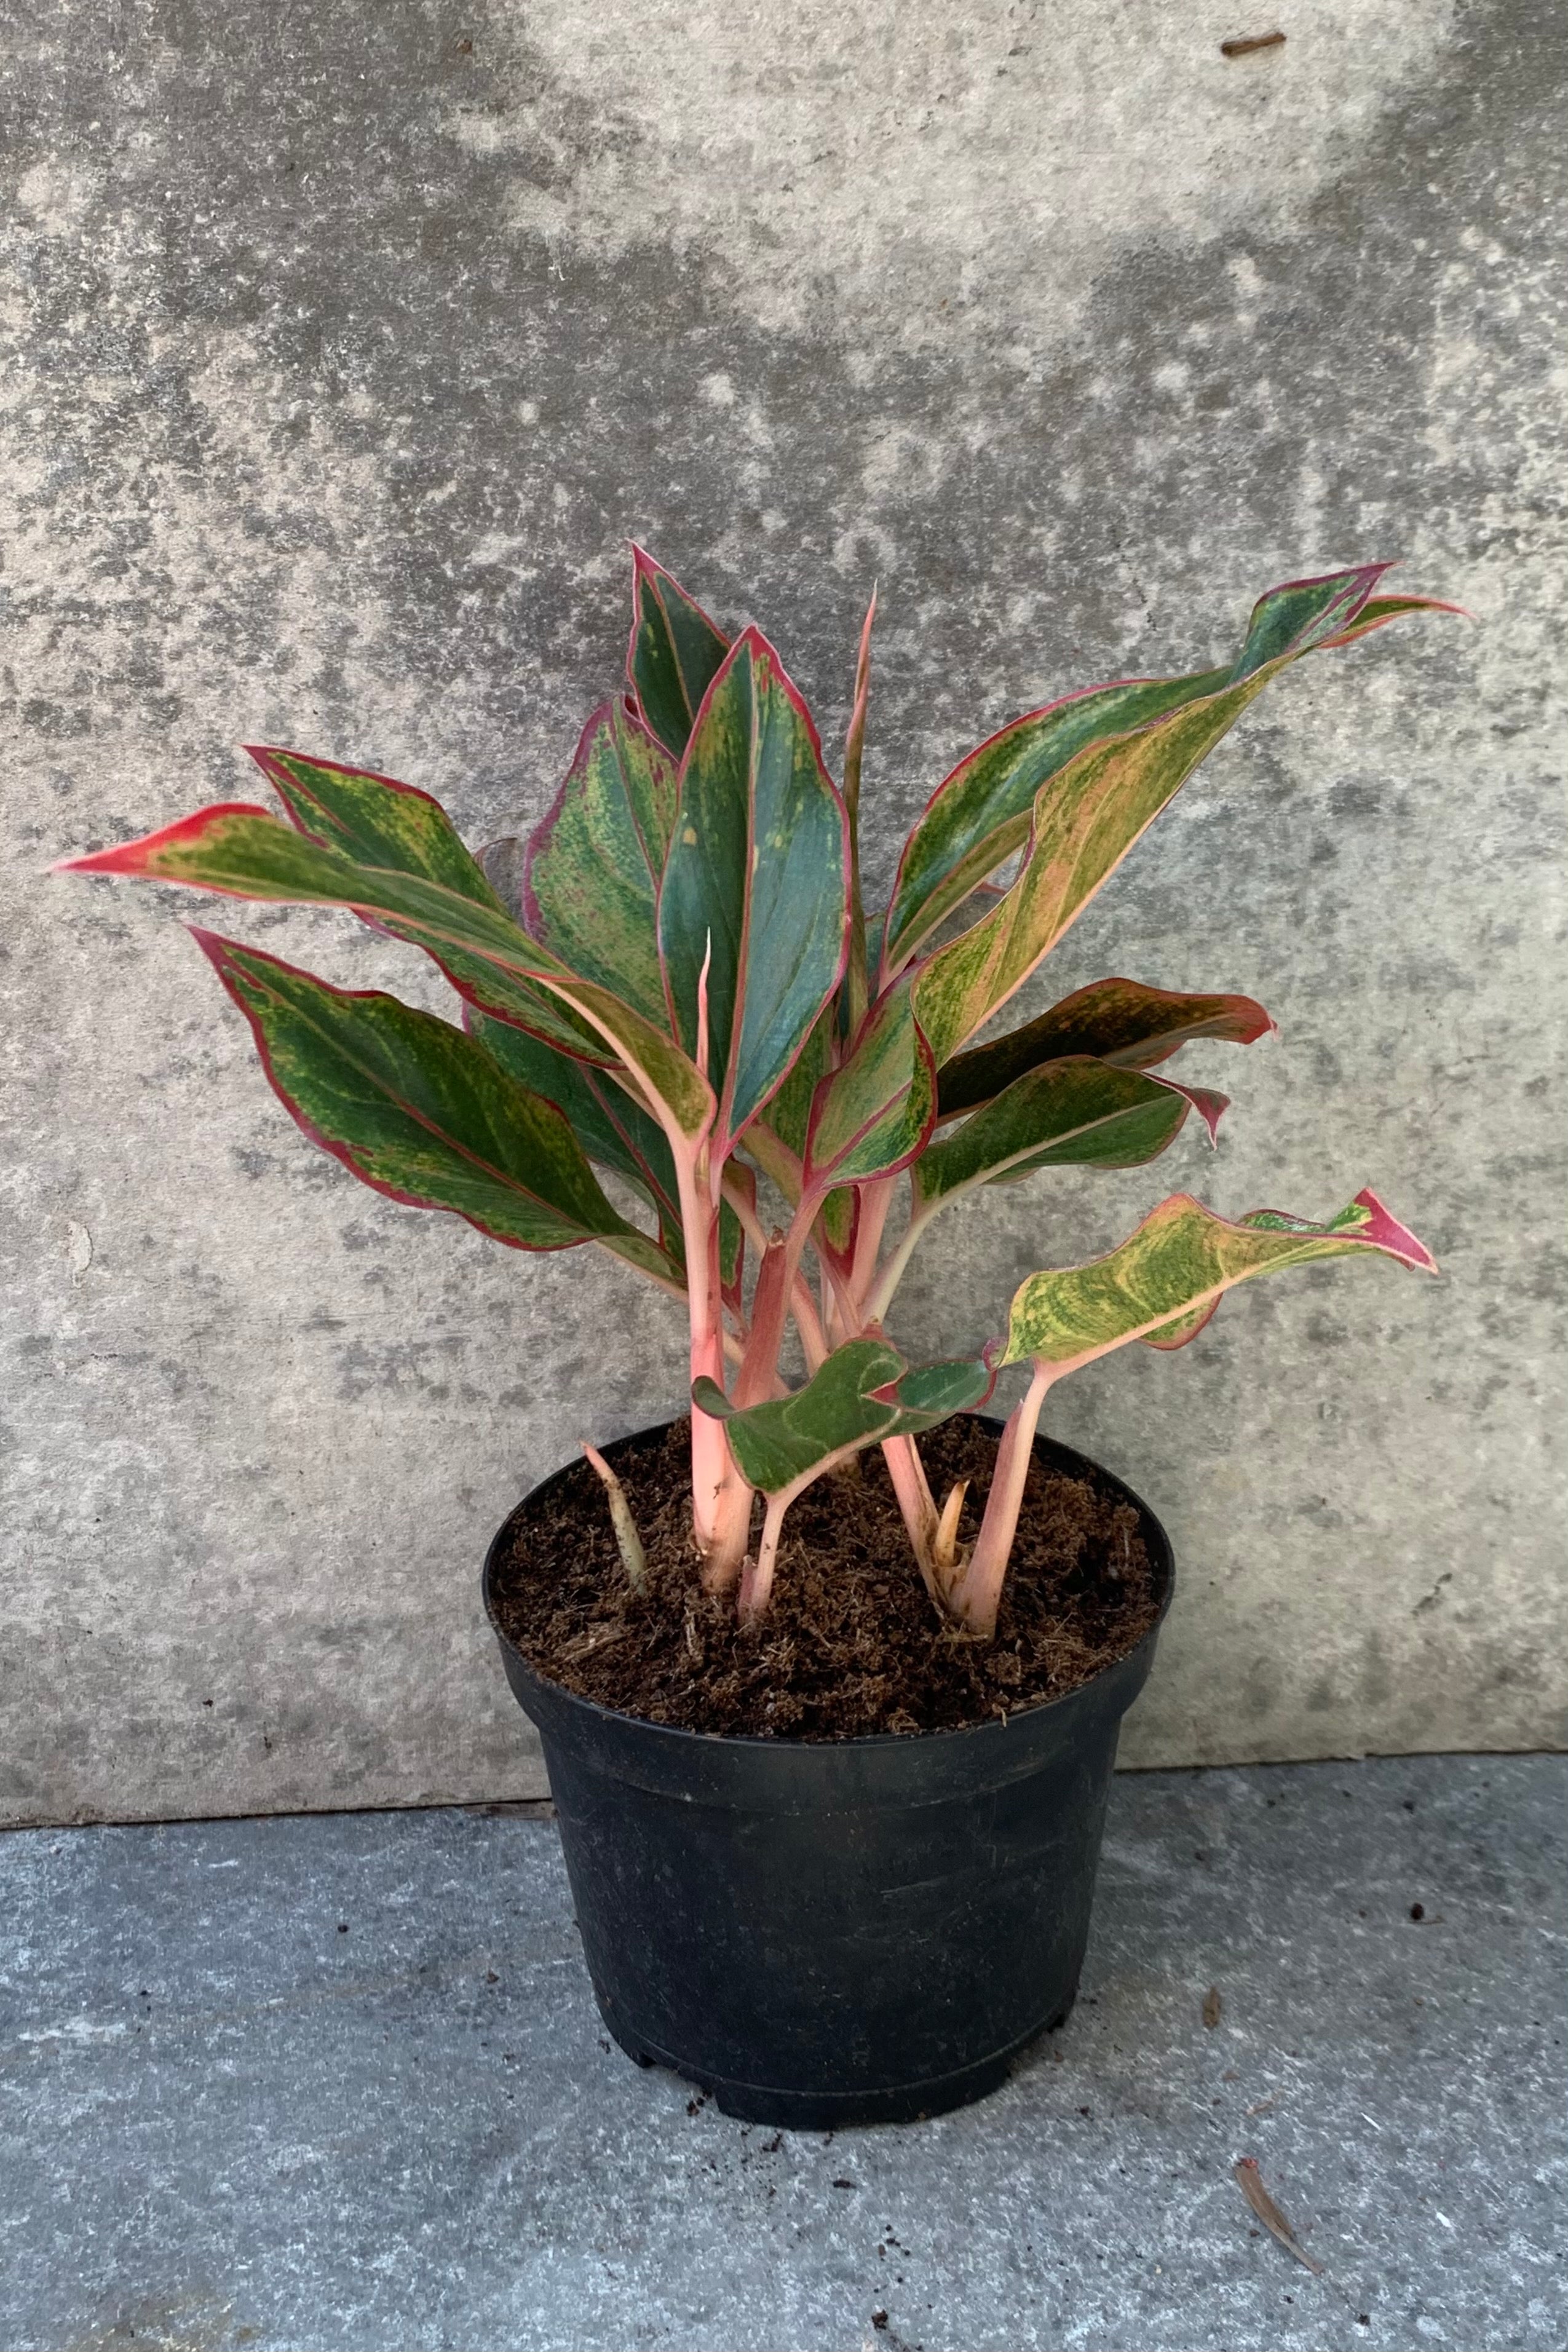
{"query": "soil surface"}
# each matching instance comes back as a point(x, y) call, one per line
point(851, 1645)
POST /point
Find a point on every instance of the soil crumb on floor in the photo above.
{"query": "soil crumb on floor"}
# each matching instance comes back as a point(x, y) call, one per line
point(851, 1645)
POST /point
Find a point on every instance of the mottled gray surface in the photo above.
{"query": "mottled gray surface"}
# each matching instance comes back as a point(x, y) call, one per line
point(321, 2084)
point(344, 349)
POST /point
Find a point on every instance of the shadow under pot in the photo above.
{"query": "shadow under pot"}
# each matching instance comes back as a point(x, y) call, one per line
point(828, 1932)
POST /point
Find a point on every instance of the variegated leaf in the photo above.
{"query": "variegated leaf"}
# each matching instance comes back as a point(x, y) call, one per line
point(1086, 820)
point(675, 654)
point(1120, 1021)
point(1378, 611)
point(1076, 1112)
point(373, 820)
point(1302, 615)
point(549, 1018)
point(871, 1115)
point(241, 852)
point(732, 1252)
point(612, 1129)
point(1183, 1329)
point(981, 813)
point(755, 907)
point(590, 883)
point(1181, 1260)
point(865, 1392)
point(377, 822)
point(421, 1112)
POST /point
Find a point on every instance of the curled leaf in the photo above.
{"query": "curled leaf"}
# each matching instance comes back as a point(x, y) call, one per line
point(864, 1392)
point(1124, 1021)
point(1175, 1268)
point(674, 653)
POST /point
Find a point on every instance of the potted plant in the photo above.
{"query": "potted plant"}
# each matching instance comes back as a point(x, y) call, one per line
point(832, 1833)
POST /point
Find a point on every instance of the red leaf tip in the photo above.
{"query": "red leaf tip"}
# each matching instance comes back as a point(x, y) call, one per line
point(139, 857)
point(1384, 1229)
point(212, 944)
point(270, 757)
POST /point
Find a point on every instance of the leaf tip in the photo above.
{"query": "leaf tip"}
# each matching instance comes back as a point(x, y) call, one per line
point(272, 759)
point(1211, 1109)
point(212, 944)
point(123, 857)
point(1383, 1229)
point(709, 1398)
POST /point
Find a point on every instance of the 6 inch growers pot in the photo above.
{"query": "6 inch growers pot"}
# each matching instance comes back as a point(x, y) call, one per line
point(824, 1933)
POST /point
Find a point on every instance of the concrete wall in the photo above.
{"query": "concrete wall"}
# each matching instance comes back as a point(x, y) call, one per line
point(346, 350)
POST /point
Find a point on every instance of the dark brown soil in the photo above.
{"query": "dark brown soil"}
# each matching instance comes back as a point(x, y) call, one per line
point(851, 1645)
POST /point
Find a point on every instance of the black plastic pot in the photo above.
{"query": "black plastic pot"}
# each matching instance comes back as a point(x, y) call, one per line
point(851, 1932)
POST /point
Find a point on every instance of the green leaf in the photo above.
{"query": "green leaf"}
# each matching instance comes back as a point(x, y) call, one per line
point(755, 887)
point(934, 1392)
point(419, 1111)
point(789, 1113)
point(1120, 1021)
point(373, 821)
point(241, 852)
point(863, 1393)
point(1075, 1112)
point(376, 822)
point(1169, 1273)
point(732, 1246)
point(1378, 611)
point(612, 1129)
point(873, 1114)
point(590, 885)
point(675, 652)
point(982, 812)
point(1303, 614)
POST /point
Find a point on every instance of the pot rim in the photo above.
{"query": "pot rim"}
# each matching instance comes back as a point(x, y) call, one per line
point(1162, 1558)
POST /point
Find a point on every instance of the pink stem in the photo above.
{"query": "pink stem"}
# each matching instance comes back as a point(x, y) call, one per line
point(808, 1323)
point(769, 1301)
point(876, 1199)
point(912, 1489)
point(721, 1499)
point(725, 1557)
point(976, 1594)
point(757, 1577)
point(712, 1468)
point(730, 1524)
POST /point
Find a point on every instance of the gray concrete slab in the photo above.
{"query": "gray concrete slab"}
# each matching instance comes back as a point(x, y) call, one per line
point(316, 2082)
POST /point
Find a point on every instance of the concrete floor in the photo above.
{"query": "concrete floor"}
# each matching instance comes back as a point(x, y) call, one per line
point(337, 2081)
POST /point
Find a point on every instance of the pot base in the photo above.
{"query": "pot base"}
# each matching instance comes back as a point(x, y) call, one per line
point(903, 2103)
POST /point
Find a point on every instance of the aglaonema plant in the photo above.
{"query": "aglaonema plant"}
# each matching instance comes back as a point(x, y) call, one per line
point(674, 979)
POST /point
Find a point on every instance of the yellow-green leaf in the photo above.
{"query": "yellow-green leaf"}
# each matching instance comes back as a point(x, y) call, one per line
point(1182, 1259)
